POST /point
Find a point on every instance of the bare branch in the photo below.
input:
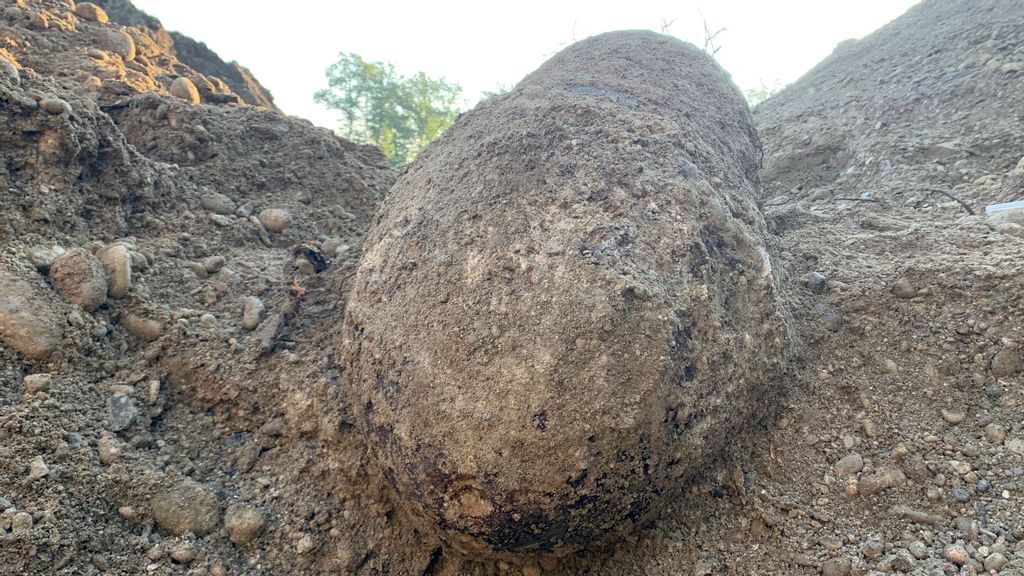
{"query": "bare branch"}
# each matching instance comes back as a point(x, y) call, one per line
point(709, 37)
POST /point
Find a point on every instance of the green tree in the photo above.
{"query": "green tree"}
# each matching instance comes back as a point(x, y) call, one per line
point(399, 114)
point(761, 93)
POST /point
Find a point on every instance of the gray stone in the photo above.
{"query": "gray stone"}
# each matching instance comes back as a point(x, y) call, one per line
point(815, 282)
point(995, 562)
point(849, 465)
point(10, 71)
point(253, 311)
point(218, 203)
point(123, 412)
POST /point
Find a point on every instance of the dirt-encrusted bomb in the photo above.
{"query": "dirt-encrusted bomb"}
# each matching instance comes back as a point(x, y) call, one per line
point(567, 305)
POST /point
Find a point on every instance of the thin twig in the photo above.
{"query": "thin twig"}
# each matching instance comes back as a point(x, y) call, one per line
point(949, 195)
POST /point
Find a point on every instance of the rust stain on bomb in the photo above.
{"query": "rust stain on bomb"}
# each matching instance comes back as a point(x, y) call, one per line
point(566, 305)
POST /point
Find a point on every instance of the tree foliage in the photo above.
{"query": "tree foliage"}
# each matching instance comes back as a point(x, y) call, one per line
point(761, 93)
point(399, 114)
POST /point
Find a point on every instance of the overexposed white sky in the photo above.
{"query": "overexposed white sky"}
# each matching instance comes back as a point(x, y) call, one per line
point(288, 45)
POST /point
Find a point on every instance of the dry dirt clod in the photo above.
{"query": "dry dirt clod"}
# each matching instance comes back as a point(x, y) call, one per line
point(1006, 362)
point(903, 288)
point(28, 324)
point(80, 278)
point(502, 415)
point(187, 506)
point(243, 523)
point(90, 11)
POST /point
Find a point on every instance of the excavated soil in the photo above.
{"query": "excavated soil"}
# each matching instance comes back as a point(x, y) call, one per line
point(178, 430)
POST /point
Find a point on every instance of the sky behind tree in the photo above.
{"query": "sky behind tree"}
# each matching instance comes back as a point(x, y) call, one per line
point(481, 45)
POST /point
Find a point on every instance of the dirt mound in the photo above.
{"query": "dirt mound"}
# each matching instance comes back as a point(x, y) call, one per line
point(920, 113)
point(566, 304)
point(160, 260)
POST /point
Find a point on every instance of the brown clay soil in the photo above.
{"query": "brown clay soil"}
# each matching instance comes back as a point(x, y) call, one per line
point(177, 429)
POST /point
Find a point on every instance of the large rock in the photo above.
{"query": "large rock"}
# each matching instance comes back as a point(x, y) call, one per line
point(28, 322)
point(565, 306)
point(79, 276)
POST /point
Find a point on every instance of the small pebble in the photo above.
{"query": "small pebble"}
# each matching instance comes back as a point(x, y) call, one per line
point(883, 479)
point(918, 550)
point(243, 523)
point(275, 219)
point(957, 554)
point(815, 282)
point(953, 416)
point(253, 311)
point(21, 523)
point(213, 264)
point(123, 412)
point(849, 465)
point(873, 548)
point(836, 567)
point(995, 433)
point(37, 468)
point(55, 106)
point(38, 383)
point(995, 562)
point(1006, 363)
point(109, 449)
point(117, 262)
point(961, 495)
point(184, 553)
point(903, 288)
